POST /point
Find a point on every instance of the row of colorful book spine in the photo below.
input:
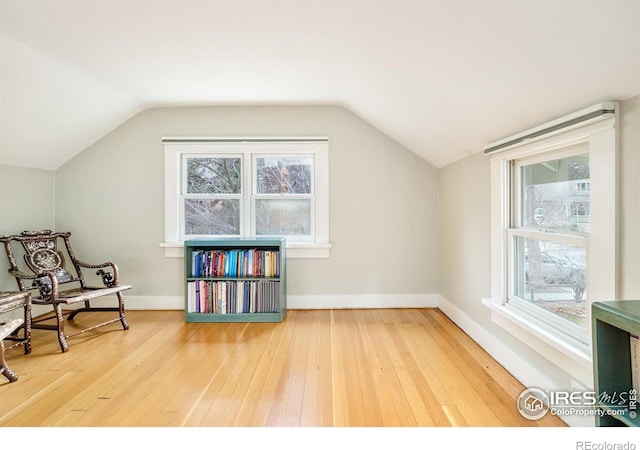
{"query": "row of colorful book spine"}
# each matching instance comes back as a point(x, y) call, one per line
point(233, 297)
point(235, 263)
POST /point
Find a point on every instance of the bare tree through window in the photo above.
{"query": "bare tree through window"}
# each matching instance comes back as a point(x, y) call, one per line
point(219, 215)
point(284, 186)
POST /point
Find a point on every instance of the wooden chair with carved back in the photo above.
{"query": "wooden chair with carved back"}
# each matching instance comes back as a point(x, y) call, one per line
point(45, 274)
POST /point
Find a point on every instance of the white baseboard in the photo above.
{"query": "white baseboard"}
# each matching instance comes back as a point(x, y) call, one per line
point(362, 301)
point(521, 369)
point(142, 302)
point(151, 302)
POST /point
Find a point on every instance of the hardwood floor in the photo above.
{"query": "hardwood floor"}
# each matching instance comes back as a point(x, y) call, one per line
point(319, 368)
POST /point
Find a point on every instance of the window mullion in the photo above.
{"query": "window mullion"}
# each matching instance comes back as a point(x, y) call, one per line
point(546, 236)
point(248, 183)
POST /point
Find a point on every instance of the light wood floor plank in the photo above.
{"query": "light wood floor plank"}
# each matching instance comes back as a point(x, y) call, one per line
point(369, 368)
point(318, 401)
point(419, 378)
point(287, 408)
point(260, 396)
point(395, 407)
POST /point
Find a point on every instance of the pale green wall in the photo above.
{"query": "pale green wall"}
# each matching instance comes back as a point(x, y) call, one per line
point(27, 203)
point(383, 200)
point(465, 235)
point(629, 245)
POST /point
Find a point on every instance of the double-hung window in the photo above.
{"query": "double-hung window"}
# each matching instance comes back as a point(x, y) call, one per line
point(554, 233)
point(548, 238)
point(248, 188)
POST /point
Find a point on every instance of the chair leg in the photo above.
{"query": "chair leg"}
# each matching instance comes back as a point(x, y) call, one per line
point(123, 318)
point(27, 330)
point(4, 369)
point(87, 307)
point(62, 339)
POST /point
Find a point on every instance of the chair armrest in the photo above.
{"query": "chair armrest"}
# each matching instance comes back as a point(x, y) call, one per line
point(48, 291)
point(109, 279)
point(25, 276)
point(9, 326)
point(95, 266)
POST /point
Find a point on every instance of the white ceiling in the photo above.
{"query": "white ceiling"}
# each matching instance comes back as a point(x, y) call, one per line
point(443, 78)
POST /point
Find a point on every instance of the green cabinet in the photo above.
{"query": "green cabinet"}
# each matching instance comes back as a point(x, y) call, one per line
point(613, 325)
point(235, 280)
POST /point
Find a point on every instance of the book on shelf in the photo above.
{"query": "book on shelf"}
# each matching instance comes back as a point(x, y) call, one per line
point(233, 296)
point(239, 263)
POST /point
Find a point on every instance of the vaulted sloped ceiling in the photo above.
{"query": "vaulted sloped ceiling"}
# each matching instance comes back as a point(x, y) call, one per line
point(443, 78)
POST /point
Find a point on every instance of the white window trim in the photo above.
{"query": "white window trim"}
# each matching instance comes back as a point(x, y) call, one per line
point(571, 332)
point(175, 148)
point(251, 225)
point(601, 137)
point(246, 181)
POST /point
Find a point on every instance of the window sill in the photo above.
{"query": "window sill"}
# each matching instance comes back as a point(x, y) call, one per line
point(572, 357)
point(294, 250)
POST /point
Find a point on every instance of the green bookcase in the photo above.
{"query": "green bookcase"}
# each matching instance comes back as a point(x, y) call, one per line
point(274, 293)
point(613, 323)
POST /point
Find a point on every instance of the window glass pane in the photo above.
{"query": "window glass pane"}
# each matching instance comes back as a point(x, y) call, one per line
point(284, 175)
point(555, 194)
point(283, 217)
point(214, 175)
point(551, 275)
point(212, 217)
